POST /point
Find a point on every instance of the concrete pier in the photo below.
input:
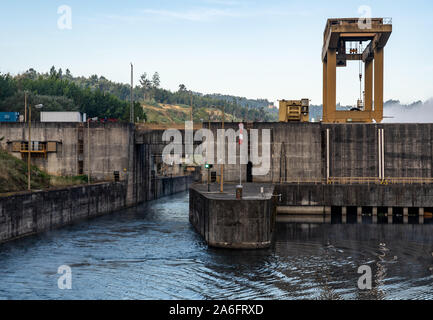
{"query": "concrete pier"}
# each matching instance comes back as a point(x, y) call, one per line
point(226, 222)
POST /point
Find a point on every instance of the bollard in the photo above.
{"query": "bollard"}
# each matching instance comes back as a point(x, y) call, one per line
point(116, 176)
point(239, 192)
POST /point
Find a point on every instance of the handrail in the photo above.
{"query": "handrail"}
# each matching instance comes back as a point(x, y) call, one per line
point(362, 180)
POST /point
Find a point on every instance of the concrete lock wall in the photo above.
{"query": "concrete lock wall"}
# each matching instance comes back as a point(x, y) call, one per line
point(30, 213)
point(112, 146)
point(299, 151)
point(109, 146)
point(374, 195)
point(230, 223)
point(33, 212)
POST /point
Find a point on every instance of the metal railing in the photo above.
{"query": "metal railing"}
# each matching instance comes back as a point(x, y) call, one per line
point(387, 20)
point(362, 180)
point(36, 147)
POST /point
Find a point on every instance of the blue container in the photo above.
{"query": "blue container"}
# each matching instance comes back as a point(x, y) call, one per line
point(9, 116)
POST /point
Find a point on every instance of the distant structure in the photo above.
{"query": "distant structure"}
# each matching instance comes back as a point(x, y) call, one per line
point(343, 40)
point(62, 116)
point(9, 116)
point(294, 110)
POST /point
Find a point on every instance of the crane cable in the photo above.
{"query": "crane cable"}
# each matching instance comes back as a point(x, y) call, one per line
point(360, 72)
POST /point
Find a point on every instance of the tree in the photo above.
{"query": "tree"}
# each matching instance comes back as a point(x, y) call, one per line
point(182, 88)
point(145, 83)
point(31, 74)
point(155, 80)
point(53, 73)
point(7, 86)
point(68, 74)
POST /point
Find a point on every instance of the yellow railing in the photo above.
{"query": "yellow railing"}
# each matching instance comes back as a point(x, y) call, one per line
point(363, 180)
point(39, 148)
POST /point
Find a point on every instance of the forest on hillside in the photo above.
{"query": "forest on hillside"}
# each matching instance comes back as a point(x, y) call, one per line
point(99, 97)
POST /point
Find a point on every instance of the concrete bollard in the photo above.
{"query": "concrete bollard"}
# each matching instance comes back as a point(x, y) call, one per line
point(421, 212)
point(239, 192)
point(359, 219)
point(389, 215)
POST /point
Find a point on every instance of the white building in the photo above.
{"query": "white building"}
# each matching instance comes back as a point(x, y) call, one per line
point(62, 116)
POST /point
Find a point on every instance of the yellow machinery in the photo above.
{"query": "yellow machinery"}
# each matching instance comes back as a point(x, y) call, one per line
point(294, 110)
point(343, 41)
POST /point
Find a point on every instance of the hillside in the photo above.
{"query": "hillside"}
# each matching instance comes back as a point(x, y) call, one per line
point(13, 176)
point(173, 113)
point(99, 97)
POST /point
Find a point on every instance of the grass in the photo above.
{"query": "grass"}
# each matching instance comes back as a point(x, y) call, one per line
point(59, 181)
point(171, 113)
point(13, 176)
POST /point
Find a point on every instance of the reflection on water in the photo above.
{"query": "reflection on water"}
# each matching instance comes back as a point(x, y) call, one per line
point(152, 252)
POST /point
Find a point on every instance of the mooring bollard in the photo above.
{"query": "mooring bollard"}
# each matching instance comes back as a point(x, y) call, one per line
point(239, 192)
point(116, 176)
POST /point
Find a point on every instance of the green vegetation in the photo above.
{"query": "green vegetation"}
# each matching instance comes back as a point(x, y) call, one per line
point(13, 176)
point(100, 97)
point(59, 181)
point(58, 92)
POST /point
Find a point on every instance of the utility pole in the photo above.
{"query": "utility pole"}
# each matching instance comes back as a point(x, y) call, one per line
point(190, 117)
point(29, 149)
point(88, 151)
point(210, 166)
point(25, 106)
point(131, 111)
point(222, 160)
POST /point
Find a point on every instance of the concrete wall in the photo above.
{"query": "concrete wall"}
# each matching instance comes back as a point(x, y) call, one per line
point(231, 223)
point(109, 146)
point(298, 151)
point(374, 195)
point(30, 213)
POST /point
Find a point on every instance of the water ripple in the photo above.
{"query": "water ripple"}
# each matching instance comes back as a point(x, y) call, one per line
point(152, 252)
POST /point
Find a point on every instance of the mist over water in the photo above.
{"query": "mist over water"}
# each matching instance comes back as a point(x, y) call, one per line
point(418, 112)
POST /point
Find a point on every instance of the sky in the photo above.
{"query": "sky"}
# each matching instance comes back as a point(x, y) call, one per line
point(256, 49)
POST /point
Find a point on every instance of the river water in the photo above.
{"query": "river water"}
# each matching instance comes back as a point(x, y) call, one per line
point(152, 252)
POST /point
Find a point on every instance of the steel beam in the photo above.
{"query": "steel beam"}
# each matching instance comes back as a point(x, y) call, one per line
point(331, 82)
point(378, 84)
point(368, 86)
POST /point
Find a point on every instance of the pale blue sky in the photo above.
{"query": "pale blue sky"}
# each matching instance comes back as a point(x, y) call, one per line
point(257, 49)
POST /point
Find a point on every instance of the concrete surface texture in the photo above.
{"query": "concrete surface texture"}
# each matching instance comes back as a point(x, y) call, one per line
point(226, 222)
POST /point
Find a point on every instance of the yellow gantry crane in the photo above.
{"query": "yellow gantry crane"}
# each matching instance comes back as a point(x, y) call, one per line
point(338, 35)
point(294, 110)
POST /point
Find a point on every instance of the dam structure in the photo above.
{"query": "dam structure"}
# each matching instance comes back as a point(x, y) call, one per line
point(324, 168)
point(347, 164)
point(315, 168)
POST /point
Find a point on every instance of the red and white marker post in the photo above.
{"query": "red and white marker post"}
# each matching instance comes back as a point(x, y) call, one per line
point(241, 139)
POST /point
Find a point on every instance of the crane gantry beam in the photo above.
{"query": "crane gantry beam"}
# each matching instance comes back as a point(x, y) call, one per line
point(337, 33)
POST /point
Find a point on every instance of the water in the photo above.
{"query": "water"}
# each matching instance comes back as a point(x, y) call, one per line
point(152, 252)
